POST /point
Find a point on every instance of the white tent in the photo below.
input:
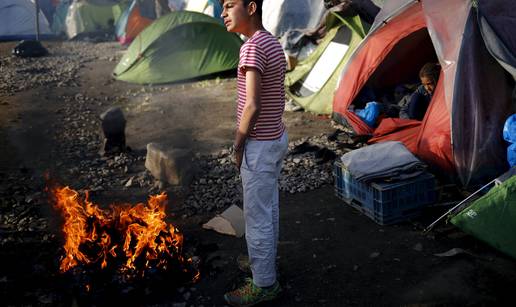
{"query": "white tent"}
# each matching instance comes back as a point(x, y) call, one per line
point(209, 7)
point(280, 16)
point(18, 20)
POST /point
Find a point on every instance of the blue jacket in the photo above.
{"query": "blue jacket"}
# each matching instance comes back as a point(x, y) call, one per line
point(418, 104)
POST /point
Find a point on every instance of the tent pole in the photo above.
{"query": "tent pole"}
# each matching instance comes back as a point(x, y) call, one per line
point(458, 205)
point(37, 19)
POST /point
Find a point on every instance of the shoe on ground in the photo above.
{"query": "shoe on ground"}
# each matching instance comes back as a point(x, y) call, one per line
point(250, 294)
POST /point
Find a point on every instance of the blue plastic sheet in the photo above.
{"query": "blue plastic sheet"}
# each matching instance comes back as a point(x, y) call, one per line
point(370, 114)
point(509, 129)
point(511, 155)
point(509, 134)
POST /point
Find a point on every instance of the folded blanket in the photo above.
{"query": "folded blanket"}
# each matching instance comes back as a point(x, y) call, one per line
point(387, 160)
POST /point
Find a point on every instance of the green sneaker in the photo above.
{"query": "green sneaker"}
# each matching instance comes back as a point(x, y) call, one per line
point(250, 295)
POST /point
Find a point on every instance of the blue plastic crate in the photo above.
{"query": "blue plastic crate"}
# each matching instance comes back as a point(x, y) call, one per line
point(385, 203)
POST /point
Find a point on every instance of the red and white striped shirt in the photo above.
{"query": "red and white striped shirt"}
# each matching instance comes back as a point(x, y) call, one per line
point(263, 52)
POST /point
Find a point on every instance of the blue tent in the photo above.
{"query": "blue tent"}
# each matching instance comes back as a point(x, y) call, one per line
point(18, 21)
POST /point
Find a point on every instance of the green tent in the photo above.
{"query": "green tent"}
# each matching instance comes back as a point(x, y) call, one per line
point(179, 46)
point(313, 81)
point(91, 17)
point(59, 19)
point(492, 218)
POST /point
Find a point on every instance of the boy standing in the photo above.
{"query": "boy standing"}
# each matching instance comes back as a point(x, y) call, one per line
point(260, 145)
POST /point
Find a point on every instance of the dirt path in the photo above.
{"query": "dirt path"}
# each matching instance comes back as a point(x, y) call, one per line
point(329, 254)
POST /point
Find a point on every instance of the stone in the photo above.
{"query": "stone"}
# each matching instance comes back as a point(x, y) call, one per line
point(113, 128)
point(129, 182)
point(171, 165)
point(374, 255)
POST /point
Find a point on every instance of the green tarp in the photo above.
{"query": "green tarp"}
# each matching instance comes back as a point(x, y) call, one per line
point(179, 46)
point(492, 218)
point(321, 101)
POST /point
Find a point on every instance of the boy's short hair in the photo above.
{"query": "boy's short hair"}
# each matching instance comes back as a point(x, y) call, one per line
point(259, 4)
point(430, 70)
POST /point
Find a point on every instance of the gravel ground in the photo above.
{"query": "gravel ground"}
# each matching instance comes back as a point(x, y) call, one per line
point(59, 69)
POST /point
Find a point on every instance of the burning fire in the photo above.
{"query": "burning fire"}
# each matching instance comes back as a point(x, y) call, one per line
point(136, 238)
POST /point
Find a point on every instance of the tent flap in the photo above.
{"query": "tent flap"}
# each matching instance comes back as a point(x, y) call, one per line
point(497, 20)
point(481, 103)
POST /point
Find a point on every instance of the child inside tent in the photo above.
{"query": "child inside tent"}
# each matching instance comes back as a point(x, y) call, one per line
point(420, 99)
point(371, 106)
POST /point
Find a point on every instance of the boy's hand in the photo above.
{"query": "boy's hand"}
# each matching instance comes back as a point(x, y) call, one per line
point(239, 154)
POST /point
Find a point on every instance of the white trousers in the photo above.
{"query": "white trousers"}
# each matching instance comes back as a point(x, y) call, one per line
point(260, 170)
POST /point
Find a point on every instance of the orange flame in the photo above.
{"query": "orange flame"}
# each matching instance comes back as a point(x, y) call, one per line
point(138, 233)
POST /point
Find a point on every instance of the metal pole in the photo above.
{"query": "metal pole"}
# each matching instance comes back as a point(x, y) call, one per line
point(458, 205)
point(37, 19)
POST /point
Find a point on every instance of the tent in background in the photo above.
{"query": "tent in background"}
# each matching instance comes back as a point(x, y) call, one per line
point(18, 21)
point(48, 8)
point(461, 132)
point(179, 46)
point(58, 25)
point(208, 7)
point(93, 16)
point(279, 16)
point(378, 3)
point(142, 13)
point(312, 82)
point(134, 20)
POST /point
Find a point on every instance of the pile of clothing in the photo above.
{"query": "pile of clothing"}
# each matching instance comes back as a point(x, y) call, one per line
point(387, 161)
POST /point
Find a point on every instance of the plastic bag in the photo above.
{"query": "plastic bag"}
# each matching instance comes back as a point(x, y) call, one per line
point(509, 129)
point(511, 155)
point(306, 51)
point(29, 49)
point(370, 114)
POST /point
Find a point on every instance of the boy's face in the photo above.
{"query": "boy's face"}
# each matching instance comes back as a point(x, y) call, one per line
point(429, 84)
point(235, 15)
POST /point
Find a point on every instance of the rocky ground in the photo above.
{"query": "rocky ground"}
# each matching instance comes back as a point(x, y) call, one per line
point(329, 253)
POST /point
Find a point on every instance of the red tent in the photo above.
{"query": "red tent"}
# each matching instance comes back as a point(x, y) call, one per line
point(461, 133)
point(133, 22)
